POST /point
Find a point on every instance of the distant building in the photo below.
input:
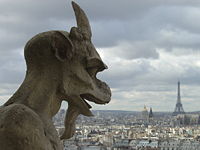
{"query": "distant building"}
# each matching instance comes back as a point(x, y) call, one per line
point(145, 114)
point(179, 107)
point(151, 113)
point(169, 145)
point(151, 117)
point(189, 145)
point(147, 144)
point(179, 145)
point(187, 119)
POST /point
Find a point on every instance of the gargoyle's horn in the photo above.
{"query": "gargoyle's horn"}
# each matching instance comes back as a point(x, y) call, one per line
point(82, 20)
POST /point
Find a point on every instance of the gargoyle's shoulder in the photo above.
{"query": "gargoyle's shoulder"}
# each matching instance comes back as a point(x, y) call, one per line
point(19, 127)
point(18, 115)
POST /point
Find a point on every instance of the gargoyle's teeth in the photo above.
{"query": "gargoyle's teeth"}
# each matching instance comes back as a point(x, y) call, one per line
point(92, 99)
point(89, 106)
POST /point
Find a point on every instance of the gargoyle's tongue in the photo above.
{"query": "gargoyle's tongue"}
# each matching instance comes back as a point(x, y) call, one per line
point(70, 118)
point(74, 109)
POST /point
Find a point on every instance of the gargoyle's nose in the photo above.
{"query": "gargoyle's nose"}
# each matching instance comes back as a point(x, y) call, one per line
point(105, 66)
point(96, 63)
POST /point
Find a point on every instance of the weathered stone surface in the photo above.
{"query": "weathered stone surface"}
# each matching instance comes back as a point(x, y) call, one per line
point(60, 66)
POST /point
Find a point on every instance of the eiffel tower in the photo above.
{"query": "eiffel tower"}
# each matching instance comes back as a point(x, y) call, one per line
point(179, 107)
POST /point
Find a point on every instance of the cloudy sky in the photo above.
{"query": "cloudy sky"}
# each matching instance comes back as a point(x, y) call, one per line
point(148, 46)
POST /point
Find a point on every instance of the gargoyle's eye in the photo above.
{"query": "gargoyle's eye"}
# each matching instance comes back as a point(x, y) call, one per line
point(95, 65)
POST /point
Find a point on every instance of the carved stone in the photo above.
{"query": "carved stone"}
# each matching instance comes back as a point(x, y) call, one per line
point(60, 66)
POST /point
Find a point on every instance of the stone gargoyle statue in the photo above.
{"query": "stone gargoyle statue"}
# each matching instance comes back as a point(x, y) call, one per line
point(60, 66)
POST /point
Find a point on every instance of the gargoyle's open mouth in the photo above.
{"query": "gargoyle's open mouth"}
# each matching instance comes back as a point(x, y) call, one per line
point(91, 98)
point(100, 95)
point(84, 100)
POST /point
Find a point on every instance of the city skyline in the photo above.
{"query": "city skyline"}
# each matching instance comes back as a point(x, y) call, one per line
point(148, 47)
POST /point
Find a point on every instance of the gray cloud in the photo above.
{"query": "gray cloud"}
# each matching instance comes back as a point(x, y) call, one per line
point(148, 46)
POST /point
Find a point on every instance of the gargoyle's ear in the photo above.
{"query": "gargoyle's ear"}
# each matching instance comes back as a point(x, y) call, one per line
point(62, 46)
